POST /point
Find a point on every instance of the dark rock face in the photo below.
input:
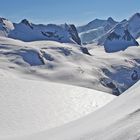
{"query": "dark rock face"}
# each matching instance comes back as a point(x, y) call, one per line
point(110, 84)
point(134, 75)
point(2, 19)
point(74, 34)
point(138, 15)
point(26, 22)
point(85, 50)
point(119, 39)
point(112, 36)
point(127, 36)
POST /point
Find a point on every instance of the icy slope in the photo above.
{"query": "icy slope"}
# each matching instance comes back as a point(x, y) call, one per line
point(119, 119)
point(28, 106)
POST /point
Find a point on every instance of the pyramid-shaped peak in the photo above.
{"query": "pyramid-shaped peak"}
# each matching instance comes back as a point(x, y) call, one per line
point(25, 21)
point(110, 19)
point(135, 16)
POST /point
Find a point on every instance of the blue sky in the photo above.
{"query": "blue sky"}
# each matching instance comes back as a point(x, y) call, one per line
point(70, 11)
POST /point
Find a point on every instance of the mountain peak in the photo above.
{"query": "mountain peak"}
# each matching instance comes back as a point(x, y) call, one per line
point(110, 19)
point(25, 21)
point(135, 16)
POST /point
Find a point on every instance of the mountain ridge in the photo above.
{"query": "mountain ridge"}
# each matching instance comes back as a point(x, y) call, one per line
point(27, 31)
point(94, 34)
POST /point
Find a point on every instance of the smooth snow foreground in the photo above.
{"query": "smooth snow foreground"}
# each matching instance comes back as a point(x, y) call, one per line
point(28, 106)
point(119, 120)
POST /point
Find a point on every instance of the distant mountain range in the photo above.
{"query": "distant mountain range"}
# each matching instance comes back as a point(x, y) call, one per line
point(113, 35)
point(94, 29)
point(27, 31)
point(97, 29)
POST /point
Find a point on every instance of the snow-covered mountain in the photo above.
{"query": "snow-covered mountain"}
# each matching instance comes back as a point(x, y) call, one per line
point(27, 31)
point(98, 31)
point(91, 25)
point(133, 25)
point(119, 38)
point(5, 27)
point(92, 31)
point(122, 35)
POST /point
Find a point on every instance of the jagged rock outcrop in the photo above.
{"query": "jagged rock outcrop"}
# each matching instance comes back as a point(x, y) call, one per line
point(5, 27)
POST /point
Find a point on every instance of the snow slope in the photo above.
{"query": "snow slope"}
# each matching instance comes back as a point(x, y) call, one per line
point(66, 63)
point(28, 106)
point(119, 119)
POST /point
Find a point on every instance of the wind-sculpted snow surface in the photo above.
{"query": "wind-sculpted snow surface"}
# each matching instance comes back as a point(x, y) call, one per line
point(118, 120)
point(28, 106)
